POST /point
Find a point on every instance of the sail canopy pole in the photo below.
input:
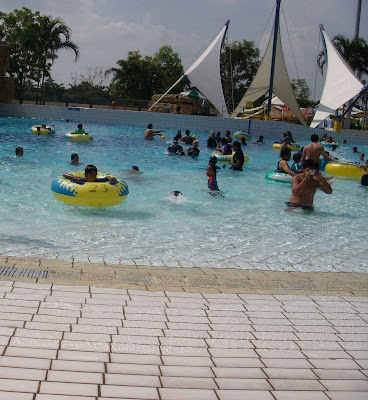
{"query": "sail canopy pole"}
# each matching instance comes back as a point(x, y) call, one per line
point(281, 86)
point(205, 74)
point(272, 74)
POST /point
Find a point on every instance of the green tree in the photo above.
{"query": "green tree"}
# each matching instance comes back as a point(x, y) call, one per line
point(355, 53)
point(140, 77)
point(302, 92)
point(19, 30)
point(239, 64)
point(134, 77)
point(170, 69)
point(53, 35)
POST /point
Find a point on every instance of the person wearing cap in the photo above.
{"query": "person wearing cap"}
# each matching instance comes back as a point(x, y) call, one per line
point(194, 150)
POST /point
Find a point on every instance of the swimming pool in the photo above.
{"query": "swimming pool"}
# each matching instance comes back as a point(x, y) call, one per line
point(247, 228)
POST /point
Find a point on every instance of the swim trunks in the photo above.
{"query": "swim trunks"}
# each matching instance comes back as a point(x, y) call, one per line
point(364, 180)
point(212, 184)
point(290, 204)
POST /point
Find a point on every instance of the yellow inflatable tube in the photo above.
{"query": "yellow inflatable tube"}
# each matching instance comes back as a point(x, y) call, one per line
point(78, 137)
point(348, 170)
point(226, 158)
point(90, 194)
point(244, 135)
point(49, 130)
point(292, 147)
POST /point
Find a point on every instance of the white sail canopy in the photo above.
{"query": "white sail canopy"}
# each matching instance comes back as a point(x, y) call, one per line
point(341, 85)
point(281, 84)
point(205, 75)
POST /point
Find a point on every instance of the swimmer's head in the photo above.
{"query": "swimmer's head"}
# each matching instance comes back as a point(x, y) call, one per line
point(91, 173)
point(177, 193)
point(211, 170)
point(308, 164)
point(187, 132)
point(149, 126)
point(74, 158)
point(285, 152)
point(236, 145)
point(314, 138)
point(135, 168)
point(195, 144)
point(213, 160)
point(19, 151)
point(297, 157)
point(80, 126)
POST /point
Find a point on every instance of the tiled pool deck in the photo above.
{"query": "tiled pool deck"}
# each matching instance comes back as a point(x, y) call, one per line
point(97, 331)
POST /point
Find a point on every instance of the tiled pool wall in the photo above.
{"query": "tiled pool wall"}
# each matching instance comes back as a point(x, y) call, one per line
point(172, 121)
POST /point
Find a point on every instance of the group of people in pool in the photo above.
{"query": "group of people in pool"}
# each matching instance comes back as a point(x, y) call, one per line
point(215, 141)
point(228, 148)
point(305, 169)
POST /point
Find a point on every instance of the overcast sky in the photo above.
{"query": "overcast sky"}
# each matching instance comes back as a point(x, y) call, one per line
point(106, 30)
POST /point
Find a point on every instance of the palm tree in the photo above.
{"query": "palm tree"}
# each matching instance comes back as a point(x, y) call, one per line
point(355, 53)
point(54, 35)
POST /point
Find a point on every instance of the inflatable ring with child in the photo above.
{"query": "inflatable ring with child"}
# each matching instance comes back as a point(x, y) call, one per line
point(226, 158)
point(244, 135)
point(49, 130)
point(292, 147)
point(329, 144)
point(90, 194)
point(78, 137)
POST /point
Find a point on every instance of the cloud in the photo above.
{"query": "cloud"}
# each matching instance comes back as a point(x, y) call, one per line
point(105, 30)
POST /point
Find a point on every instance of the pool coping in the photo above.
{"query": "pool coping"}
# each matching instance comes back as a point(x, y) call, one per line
point(183, 279)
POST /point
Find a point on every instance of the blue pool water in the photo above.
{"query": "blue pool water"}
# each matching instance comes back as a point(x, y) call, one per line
point(247, 228)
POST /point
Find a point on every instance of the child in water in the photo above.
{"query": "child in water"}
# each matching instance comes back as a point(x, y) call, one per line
point(90, 173)
point(80, 130)
point(211, 173)
point(297, 165)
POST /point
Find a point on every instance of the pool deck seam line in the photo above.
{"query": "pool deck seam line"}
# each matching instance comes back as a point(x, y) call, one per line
point(197, 279)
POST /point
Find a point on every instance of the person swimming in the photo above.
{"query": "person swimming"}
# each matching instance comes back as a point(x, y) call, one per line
point(282, 165)
point(90, 173)
point(19, 151)
point(74, 159)
point(80, 130)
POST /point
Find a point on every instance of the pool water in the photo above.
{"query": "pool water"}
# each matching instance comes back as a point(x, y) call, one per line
point(249, 227)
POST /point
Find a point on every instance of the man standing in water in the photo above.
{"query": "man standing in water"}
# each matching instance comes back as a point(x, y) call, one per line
point(314, 151)
point(304, 186)
point(150, 133)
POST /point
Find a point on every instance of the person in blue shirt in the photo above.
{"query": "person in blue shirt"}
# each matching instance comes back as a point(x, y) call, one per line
point(297, 165)
point(212, 182)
